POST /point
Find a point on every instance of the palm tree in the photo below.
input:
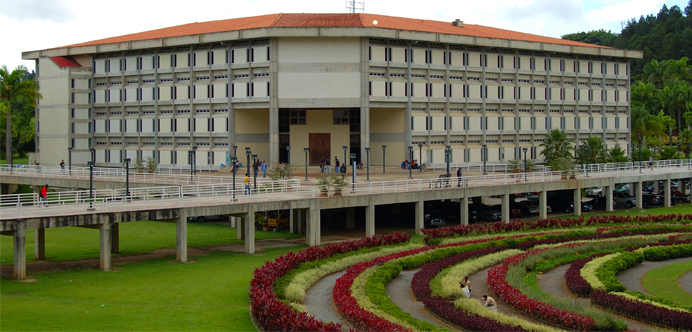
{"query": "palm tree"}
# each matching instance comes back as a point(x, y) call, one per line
point(655, 72)
point(642, 93)
point(14, 88)
point(596, 154)
point(616, 155)
point(556, 145)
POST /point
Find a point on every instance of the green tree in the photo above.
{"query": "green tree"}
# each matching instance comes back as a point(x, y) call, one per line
point(596, 154)
point(616, 155)
point(15, 88)
point(556, 145)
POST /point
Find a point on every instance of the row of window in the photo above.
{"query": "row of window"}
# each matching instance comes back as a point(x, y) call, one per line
point(516, 123)
point(477, 59)
point(192, 59)
point(153, 125)
point(235, 90)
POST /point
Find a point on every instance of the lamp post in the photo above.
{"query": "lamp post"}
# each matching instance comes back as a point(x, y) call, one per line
point(194, 160)
point(248, 153)
point(367, 169)
point(93, 154)
point(189, 156)
point(306, 162)
point(420, 155)
point(586, 170)
point(288, 154)
point(345, 148)
point(11, 159)
point(581, 155)
point(127, 178)
point(235, 154)
point(353, 162)
point(384, 162)
point(526, 165)
point(678, 153)
point(69, 160)
point(410, 153)
point(91, 185)
point(234, 162)
point(254, 164)
point(448, 150)
point(485, 159)
point(640, 159)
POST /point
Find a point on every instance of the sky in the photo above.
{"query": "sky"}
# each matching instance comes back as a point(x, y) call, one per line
point(30, 25)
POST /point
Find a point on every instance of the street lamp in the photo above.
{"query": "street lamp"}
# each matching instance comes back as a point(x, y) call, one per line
point(526, 165)
point(254, 171)
point(234, 162)
point(69, 160)
point(189, 156)
point(235, 154)
point(306, 162)
point(353, 162)
point(127, 178)
point(194, 160)
point(640, 159)
point(93, 154)
point(367, 153)
point(448, 150)
point(288, 153)
point(345, 148)
point(410, 153)
point(581, 155)
point(91, 185)
point(420, 155)
point(485, 159)
point(384, 163)
point(586, 170)
point(248, 153)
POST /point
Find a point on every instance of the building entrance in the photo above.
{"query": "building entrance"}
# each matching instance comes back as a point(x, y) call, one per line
point(319, 147)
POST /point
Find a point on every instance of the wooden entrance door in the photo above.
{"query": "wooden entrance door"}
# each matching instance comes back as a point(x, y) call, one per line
point(319, 147)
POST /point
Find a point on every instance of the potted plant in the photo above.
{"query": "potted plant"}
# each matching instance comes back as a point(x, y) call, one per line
point(151, 165)
point(339, 182)
point(514, 165)
point(138, 165)
point(323, 182)
point(529, 165)
point(261, 220)
point(563, 165)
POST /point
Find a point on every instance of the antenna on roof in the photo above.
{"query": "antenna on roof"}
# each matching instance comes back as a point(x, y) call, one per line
point(353, 6)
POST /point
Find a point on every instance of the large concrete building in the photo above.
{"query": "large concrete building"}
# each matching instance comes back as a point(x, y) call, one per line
point(324, 82)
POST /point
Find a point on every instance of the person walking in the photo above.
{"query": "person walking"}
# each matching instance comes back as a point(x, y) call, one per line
point(247, 184)
point(321, 165)
point(62, 166)
point(466, 287)
point(342, 170)
point(458, 176)
point(336, 164)
point(490, 303)
point(43, 195)
point(651, 162)
point(327, 167)
point(264, 169)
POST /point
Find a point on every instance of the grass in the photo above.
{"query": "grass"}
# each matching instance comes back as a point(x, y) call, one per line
point(16, 160)
point(72, 243)
point(663, 282)
point(153, 295)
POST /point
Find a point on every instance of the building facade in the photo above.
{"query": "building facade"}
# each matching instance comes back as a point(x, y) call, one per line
point(333, 83)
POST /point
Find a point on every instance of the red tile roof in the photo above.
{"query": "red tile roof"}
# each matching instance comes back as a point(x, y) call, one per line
point(65, 61)
point(334, 21)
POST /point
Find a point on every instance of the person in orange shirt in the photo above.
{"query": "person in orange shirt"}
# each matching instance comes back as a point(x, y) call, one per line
point(247, 184)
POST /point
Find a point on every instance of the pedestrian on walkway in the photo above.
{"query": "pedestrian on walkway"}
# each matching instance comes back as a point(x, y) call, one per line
point(342, 170)
point(490, 303)
point(321, 165)
point(264, 169)
point(327, 167)
point(651, 162)
point(43, 196)
point(62, 166)
point(247, 184)
point(459, 176)
point(466, 287)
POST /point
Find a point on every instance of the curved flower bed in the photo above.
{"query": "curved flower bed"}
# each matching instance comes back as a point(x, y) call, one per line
point(471, 322)
point(576, 284)
point(274, 315)
point(643, 311)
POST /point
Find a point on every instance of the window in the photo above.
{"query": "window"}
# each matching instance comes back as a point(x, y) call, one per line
point(501, 123)
point(533, 123)
point(562, 64)
point(72, 83)
point(517, 62)
point(500, 61)
point(548, 123)
point(532, 63)
point(467, 122)
point(590, 67)
point(501, 92)
point(341, 117)
point(428, 123)
point(465, 59)
point(617, 123)
point(532, 92)
point(590, 123)
point(563, 123)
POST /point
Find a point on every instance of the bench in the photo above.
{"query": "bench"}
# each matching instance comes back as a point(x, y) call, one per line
point(442, 181)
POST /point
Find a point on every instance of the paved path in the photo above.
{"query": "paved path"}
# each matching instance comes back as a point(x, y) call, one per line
point(318, 300)
point(631, 278)
point(399, 290)
point(553, 283)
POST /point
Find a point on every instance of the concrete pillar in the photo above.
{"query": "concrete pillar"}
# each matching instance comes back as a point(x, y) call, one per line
point(105, 246)
point(40, 243)
point(542, 204)
point(637, 187)
point(666, 194)
point(302, 220)
point(233, 222)
point(274, 135)
point(351, 219)
point(19, 271)
point(249, 224)
point(609, 198)
point(240, 230)
point(291, 221)
point(505, 208)
point(682, 187)
point(181, 238)
point(657, 186)
point(313, 231)
point(464, 209)
point(419, 217)
point(577, 202)
point(115, 237)
point(369, 220)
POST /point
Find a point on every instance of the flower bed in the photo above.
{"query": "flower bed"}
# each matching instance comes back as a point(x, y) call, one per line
point(607, 272)
point(576, 284)
point(668, 252)
point(592, 238)
point(446, 283)
point(642, 311)
point(274, 315)
point(471, 322)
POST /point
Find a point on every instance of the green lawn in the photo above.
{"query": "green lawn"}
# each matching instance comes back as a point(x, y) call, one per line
point(663, 282)
point(70, 243)
point(210, 294)
point(16, 160)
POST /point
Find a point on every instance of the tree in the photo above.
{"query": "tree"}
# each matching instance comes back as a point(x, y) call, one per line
point(616, 155)
point(597, 152)
point(15, 88)
point(556, 145)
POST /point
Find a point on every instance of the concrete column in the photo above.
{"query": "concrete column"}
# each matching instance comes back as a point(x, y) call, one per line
point(543, 204)
point(666, 194)
point(505, 208)
point(105, 246)
point(302, 218)
point(115, 237)
point(351, 219)
point(291, 220)
point(273, 135)
point(240, 230)
point(19, 272)
point(577, 202)
point(682, 187)
point(249, 224)
point(369, 220)
point(419, 217)
point(233, 222)
point(40, 243)
point(181, 237)
point(464, 209)
point(313, 231)
point(638, 193)
point(609, 198)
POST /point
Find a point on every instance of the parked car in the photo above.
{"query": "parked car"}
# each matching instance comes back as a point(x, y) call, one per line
point(586, 207)
point(595, 191)
point(207, 218)
point(649, 199)
point(561, 203)
point(533, 205)
point(622, 187)
point(513, 212)
point(485, 213)
point(279, 219)
point(648, 187)
point(436, 219)
point(624, 199)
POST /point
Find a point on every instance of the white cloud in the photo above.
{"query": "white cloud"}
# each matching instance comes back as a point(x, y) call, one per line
point(36, 10)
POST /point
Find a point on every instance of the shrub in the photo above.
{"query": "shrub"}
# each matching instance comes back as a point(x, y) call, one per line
point(668, 252)
point(576, 284)
point(642, 311)
point(607, 272)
